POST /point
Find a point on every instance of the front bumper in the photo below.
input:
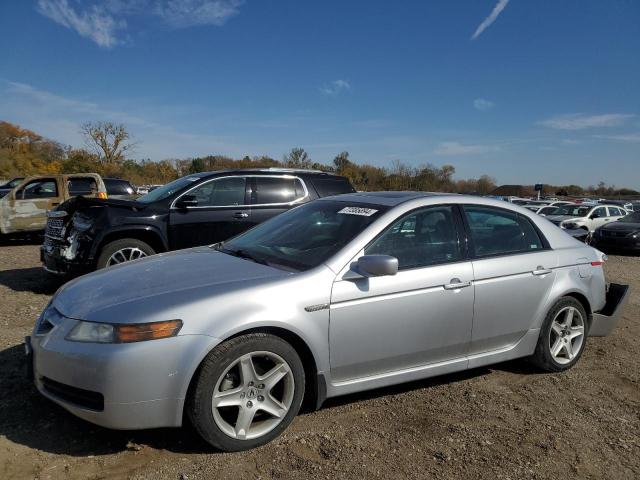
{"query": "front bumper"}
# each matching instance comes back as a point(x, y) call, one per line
point(120, 386)
point(56, 260)
point(621, 243)
point(605, 320)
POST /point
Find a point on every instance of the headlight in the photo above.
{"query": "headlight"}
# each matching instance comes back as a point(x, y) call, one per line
point(82, 223)
point(95, 332)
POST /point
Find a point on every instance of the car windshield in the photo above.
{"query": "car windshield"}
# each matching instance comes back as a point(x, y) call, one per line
point(572, 210)
point(547, 210)
point(304, 237)
point(631, 218)
point(167, 190)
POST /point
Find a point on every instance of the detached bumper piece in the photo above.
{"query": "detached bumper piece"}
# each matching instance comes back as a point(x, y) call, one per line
point(606, 319)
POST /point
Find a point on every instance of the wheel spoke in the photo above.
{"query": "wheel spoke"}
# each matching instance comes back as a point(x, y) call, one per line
point(576, 331)
point(556, 328)
point(227, 398)
point(568, 319)
point(273, 407)
point(568, 347)
point(243, 423)
point(557, 347)
point(247, 370)
point(273, 376)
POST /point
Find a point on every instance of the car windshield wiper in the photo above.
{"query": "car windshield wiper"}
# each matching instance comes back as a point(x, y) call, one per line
point(243, 254)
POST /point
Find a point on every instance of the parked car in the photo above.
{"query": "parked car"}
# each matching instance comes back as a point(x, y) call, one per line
point(343, 294)
point(8, 186)
point(119, 189)
point(623, 234)
point(627, 205)
point(198, 209)
point(24, 209)
point(544, 208)
point(588, 217)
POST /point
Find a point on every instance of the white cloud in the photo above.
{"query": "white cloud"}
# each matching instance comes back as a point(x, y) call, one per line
point(336, 87)
point(104, 21)
point(579, 121)
point(455, 148)
point(483, 104)
point(486, 23)
point(624, 137)
point(94, 23)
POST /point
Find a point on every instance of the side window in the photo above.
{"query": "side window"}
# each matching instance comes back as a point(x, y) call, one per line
point(421, 238)
point(82, 186)
point(44, 188)
point(500, 232)
point(223, 192)
point(614, 212)
point(599, 212)
point(275, 190)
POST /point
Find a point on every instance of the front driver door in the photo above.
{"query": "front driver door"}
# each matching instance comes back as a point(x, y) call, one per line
point(28, 209)
point(220, 212)
point(420, 316)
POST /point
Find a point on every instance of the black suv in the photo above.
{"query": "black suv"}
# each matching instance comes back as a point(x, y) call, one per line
point(85, 234)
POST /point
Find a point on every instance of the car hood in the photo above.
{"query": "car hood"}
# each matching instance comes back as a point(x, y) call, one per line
point(621, 227)
point(127, 293)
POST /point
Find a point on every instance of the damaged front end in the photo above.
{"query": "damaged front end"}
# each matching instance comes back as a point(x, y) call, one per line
point(67, 241)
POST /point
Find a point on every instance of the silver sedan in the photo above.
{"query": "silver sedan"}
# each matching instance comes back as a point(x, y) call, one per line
point(337, 296)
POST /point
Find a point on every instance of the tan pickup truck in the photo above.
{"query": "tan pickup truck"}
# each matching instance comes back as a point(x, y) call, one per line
point(24, 209)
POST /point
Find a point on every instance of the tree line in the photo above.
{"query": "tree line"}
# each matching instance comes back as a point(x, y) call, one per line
point(108, 148)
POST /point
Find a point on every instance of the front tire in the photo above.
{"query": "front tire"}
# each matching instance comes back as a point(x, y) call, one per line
point(123, 250)
point(563, 336)
point(247, 391)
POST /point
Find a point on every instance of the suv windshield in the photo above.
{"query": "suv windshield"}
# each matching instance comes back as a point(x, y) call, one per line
point(167, 190)
point(304, 237)
point(572, 210)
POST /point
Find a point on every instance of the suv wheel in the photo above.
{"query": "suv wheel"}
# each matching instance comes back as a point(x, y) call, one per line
point(563, 336)
point(247, 391)
point(123, 250)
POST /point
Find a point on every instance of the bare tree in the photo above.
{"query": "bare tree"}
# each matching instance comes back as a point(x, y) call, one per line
point(297, 158)
point(110, 141)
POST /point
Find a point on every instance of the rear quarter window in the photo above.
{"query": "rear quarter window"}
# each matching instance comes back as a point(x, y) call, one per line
point(332, 186)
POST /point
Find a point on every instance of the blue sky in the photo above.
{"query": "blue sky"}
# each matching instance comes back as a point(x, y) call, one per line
point(525, 91)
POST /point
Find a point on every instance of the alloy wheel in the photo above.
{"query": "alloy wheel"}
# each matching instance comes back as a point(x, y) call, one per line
point(566, 335)
point(125, 255)
point(253, 395)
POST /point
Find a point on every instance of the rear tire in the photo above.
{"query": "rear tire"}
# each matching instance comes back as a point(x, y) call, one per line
point(563, 336)
point(123, 250)
point(247, 391)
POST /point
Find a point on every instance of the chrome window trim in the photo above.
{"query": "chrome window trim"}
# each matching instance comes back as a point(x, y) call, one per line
point(286, 204)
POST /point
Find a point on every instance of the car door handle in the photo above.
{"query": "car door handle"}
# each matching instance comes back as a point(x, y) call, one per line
point(540, 270)
point(456, 284)
point(240, 215)
point(55, 204)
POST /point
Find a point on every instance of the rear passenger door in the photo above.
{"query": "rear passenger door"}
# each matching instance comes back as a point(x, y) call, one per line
point(513, 273)
point(273, 195)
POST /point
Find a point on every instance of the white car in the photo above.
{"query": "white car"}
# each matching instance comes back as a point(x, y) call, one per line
point(545, 207)
point(587, 217)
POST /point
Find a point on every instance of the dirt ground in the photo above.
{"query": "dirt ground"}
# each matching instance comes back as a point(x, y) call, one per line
point(503, 422)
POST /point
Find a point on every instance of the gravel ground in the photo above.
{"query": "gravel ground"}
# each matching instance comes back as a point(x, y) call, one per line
point(503, 422)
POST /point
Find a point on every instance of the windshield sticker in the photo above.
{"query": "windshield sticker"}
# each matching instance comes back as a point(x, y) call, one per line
point(363, 212)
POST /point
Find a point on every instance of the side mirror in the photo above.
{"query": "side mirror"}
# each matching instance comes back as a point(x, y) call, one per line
point(372, 266)
point(187, 201)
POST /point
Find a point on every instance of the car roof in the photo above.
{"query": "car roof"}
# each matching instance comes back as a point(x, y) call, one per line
point(389, 199)
point(265, 171)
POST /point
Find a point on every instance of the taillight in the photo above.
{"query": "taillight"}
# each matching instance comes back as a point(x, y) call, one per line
point(102, 195)
point(596, 264)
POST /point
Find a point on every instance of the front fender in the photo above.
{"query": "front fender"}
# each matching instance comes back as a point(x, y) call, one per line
point(104, 235)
